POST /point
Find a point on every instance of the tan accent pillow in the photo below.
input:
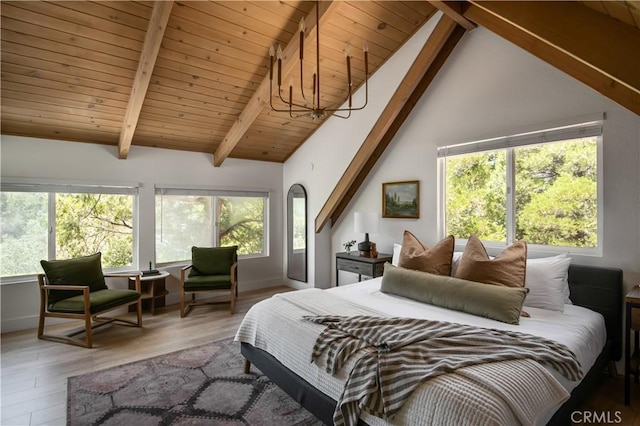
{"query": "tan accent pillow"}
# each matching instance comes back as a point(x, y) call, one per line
point(506, 269)
point(436, 260)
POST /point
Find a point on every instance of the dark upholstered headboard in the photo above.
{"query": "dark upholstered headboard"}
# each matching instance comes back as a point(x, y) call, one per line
point(600, 289)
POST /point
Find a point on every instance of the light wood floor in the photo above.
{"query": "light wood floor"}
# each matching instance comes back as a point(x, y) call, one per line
point(34, 372)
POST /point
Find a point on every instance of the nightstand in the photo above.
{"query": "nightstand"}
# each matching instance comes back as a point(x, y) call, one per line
point(631, 301)
point(368, 266)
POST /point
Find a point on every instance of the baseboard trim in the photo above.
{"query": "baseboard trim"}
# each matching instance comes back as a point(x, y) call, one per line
point(28, 322)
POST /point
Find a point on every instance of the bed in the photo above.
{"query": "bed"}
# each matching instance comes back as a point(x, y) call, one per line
point(275, 339)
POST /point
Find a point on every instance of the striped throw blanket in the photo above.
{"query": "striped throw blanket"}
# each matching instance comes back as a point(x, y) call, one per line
point(399, 354)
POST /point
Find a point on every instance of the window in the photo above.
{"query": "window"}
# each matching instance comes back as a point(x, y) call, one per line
point(542, 187)
point(209, 218)
point(63, 221)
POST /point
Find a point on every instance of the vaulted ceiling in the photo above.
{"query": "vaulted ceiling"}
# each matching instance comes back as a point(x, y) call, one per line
point(68, 68)
point(194, 75)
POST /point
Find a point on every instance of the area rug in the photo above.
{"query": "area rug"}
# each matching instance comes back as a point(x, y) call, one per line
point(204, 385)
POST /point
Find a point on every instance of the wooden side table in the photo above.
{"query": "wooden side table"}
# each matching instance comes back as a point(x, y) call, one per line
point(153, 290)
point(368, 266)
point(631, 301)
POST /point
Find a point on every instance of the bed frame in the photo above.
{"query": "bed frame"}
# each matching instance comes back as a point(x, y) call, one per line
point(596, 288)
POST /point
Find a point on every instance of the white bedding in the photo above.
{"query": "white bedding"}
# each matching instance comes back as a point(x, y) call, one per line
point(581, 330)
point(268, 326)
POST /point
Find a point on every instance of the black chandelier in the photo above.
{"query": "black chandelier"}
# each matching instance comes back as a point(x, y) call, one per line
point(313, 108)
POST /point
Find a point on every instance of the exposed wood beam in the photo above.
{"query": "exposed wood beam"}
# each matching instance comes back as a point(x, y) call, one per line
point(261, 96)
point(455, 11)
point(442, 56)
point(440, 43)
point(152, 41)
point(597, 50)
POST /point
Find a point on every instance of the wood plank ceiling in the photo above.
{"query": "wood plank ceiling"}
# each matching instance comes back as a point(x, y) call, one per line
point(68, 68)
point(77, 70)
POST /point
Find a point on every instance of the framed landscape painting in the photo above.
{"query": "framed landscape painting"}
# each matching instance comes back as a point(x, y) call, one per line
point(401, 199)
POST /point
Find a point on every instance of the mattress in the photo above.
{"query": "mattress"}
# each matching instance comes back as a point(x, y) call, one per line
point(276, 326)
point(580, 329)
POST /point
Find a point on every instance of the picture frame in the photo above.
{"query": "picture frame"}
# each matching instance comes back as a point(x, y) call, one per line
point(401, 200)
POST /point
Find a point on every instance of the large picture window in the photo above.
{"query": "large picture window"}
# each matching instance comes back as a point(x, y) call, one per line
point(516, 188)
point(209, 218)
point(63, 221)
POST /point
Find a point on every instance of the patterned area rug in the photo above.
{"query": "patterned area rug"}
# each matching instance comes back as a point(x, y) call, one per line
point(198, 386)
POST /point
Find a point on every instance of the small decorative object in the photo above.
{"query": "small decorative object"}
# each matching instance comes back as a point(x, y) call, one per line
point(401, 199)
point(151, 271)
point(365, 222)
point(348, 245)
point(374, 251)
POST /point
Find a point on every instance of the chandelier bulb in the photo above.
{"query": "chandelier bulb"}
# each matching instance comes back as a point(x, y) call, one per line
point(301, 26)
point(279, 52)
point(347, 50)
point(365, 46)
point(272, 51)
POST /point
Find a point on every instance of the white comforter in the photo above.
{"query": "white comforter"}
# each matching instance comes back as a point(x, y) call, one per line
point(275, 326)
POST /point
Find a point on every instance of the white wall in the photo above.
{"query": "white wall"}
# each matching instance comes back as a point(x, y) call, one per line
point(488, 87)
point(80, 162)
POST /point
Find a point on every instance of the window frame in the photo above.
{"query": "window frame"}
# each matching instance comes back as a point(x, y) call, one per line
point(590, 126)
point(53, 187)
point(216, 193)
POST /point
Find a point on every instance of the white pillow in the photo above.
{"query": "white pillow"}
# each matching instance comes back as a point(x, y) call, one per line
point(396, 254)
point(546, 279)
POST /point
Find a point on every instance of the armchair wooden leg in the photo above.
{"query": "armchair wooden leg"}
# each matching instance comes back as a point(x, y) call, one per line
point(181, 304)
point(87, 328)
point(41, 326)
point(233, 295)
point(139, 311)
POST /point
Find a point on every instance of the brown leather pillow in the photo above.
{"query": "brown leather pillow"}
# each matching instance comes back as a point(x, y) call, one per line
point(507, 269)
point(436, 260)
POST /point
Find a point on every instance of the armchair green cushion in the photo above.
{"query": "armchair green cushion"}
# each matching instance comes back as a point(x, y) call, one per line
point(99, 301)
point(212, 260)
point(82, 271)
point(207, 282)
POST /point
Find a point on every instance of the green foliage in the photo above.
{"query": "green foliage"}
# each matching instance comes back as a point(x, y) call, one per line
point(241, 223)
point(84, 224)
point(88, 223)
point(182, 221)
point(564, 215)
point(555, 194)
point(476, 196)
point(23, 224)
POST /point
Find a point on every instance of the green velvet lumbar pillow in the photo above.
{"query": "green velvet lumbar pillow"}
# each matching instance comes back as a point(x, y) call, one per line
point(485, 300)
point(84, 271)
point(212, 260)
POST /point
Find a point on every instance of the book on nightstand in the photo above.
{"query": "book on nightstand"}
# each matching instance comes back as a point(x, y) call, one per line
point(150, 272)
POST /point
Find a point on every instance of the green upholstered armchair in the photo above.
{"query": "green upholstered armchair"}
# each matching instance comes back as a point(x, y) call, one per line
point(212, 270)
point(76, 288)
